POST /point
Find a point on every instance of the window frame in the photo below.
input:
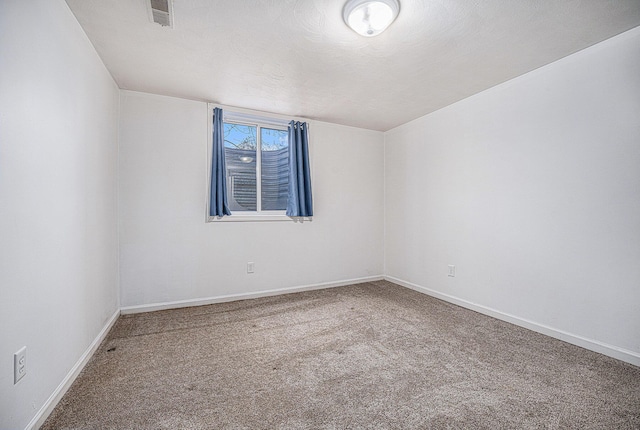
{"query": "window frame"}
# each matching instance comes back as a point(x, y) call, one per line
point(250, 118)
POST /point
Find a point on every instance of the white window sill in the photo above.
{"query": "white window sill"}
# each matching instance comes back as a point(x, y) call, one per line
point(256, 218)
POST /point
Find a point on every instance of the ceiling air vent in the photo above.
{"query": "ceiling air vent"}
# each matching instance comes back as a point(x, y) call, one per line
point(161, 12)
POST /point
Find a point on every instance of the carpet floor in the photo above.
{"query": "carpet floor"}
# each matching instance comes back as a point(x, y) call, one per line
point(373, 355)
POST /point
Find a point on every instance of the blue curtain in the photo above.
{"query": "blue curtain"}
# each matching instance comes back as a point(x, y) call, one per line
point(218, 200)
point(300, 203)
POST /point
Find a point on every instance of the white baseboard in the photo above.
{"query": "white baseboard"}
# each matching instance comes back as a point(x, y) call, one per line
point(590, 344)
point(243, 296)
point(57, 394)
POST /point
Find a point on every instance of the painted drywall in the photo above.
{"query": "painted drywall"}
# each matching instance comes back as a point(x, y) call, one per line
point(532, 190)
point(58, 166)
point(167, 251)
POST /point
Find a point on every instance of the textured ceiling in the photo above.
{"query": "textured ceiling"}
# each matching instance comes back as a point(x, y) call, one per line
point(299, 58)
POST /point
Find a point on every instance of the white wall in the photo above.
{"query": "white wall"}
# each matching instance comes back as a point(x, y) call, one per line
point(167, 251)
point(58, 165)
point(532, 189)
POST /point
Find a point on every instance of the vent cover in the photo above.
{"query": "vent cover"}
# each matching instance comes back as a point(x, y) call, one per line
point(161, 12)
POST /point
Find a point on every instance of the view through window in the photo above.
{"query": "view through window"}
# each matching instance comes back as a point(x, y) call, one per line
point(251, 152)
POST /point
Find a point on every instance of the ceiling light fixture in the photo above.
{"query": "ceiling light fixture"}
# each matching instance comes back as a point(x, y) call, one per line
point(370, 17)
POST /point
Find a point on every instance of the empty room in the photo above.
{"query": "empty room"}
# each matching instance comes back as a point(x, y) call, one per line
point(319, 214)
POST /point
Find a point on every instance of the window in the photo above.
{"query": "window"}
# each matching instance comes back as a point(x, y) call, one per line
point(254, 151)
point(250, 168)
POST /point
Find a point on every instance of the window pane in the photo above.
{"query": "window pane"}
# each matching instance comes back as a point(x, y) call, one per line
point(240, 156)
point(275, 169)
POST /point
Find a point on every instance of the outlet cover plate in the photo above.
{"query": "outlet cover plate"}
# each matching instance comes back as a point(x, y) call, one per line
point(452, 270)
point(19, 364)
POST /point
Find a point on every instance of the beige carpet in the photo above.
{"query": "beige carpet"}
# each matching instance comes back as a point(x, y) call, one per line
point(372, 355)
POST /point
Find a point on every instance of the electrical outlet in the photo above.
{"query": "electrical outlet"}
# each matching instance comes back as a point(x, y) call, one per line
point(19, 364)
point(251, 267)
point(452, 270)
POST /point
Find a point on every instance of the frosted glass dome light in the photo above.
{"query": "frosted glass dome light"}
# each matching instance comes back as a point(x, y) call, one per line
point(370, 17)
